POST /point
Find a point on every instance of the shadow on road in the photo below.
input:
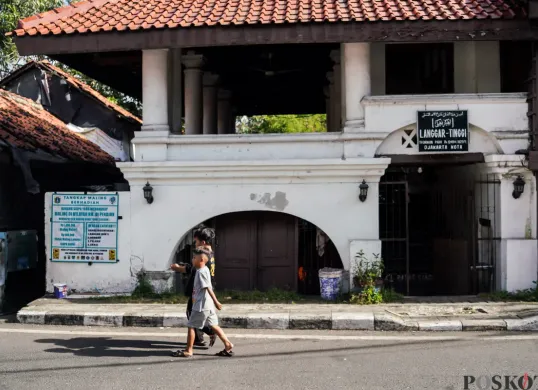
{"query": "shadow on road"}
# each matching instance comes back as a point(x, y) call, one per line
point(108, 347)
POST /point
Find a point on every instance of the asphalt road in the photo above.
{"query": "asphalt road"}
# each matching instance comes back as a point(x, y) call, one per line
point(93, 358)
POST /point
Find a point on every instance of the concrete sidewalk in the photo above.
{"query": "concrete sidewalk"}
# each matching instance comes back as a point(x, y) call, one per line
point(465, 316)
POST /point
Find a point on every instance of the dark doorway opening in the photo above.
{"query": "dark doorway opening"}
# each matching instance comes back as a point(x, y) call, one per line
point(438, 229)
point(261, 250)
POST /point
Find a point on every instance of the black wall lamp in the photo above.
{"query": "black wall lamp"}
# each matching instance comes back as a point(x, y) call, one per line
point(148, 193)
point(519, 187)
point(363, 188)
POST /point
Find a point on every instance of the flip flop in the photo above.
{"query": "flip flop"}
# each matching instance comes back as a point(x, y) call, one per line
point(225, 353)
point(181, 354)
point(212, 340)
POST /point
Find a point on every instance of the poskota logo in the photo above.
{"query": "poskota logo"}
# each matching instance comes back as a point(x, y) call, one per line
point(501, 382)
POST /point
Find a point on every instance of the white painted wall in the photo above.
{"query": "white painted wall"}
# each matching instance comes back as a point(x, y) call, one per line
point(249, 147)
point(105, 278)
point(187, 194)
point(517, 225)
point(518, 265)
point(498, 122)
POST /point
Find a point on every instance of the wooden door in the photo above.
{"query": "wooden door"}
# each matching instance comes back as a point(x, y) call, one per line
point(256, 250)
point(235, 257)
point(277, 253)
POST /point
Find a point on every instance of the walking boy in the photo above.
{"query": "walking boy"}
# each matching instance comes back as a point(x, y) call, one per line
point(202, 238)
point(204, 305)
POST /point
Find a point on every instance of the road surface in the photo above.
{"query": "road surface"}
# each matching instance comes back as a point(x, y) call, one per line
point(48, 357)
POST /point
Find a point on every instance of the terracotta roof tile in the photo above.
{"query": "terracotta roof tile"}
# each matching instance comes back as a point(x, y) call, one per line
point(26, 125)
point(122, 15)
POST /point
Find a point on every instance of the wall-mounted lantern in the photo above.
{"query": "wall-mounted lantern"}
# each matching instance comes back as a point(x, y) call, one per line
point(148, 193)
point(363, 188)
point(519, 187)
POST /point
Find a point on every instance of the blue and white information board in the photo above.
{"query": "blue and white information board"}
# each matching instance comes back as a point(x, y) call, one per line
point(84, 228)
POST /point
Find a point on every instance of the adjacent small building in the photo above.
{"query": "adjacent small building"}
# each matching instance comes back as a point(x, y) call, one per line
point(38, 154)
point(76, 104)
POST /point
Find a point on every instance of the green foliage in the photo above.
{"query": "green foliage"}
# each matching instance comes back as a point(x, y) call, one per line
point(366, 272)
point(265, 124)
point(368, 296)
point(11, 11)
point(273, 295)
point(389, 295)
point(528, 295)
point(143, 288)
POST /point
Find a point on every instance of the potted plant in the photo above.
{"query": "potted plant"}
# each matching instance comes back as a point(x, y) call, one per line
point(367, 272)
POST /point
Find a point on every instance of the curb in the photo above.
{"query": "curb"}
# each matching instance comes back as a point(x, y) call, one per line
point(334, 321)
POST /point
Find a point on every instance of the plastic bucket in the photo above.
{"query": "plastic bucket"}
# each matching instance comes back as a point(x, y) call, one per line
point(330, 283)
point(60, 291)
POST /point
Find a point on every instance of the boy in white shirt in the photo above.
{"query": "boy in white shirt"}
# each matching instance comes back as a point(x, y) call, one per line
point(204, 305)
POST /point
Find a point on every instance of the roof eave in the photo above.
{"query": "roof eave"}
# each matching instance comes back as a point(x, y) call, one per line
point(260, 34)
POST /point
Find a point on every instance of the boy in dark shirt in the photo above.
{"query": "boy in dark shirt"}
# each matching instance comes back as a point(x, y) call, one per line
point(202, 238)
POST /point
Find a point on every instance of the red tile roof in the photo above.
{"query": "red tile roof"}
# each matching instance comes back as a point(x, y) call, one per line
point(73, 81)
point(26, 125)
point(121, 15)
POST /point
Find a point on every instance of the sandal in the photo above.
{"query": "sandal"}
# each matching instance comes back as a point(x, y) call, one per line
point(180, 353)
point(225, 353)
point(212, 340)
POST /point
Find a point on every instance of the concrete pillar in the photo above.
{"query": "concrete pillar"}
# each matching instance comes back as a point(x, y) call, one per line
point(337, 87)
point(155, 90)
point(193, 93)
point(357, 83)
point(210, 103)
point(477, 67)
point(224, 111)
point(175, 92)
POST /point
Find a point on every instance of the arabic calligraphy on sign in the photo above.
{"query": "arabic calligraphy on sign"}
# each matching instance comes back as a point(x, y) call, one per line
point(442, 114)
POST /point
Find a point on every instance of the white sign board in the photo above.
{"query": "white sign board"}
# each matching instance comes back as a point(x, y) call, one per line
point(84, 228)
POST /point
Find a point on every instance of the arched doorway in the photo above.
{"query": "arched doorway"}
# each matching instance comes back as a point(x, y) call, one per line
point(261, 250)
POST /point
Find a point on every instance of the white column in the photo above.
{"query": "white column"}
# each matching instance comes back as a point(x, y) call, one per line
point(224, 111)
point(357, 83)
point(337, 85)
point(155, 90)
point(175, 92)
point(193, 93)
point(210, 103)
